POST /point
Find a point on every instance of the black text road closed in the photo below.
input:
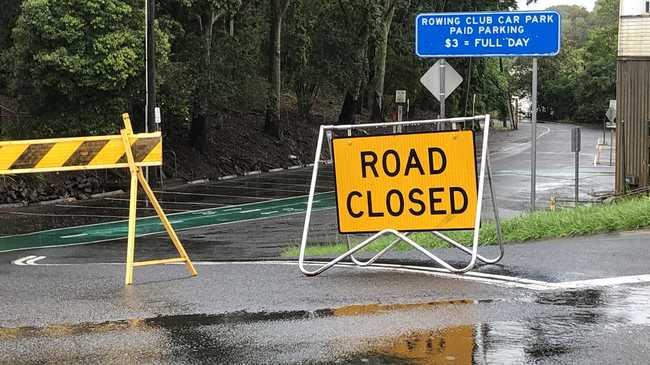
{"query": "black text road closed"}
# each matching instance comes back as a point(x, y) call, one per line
point(409, 182)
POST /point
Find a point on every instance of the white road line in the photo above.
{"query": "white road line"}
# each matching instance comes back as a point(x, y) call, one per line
point(65, 215)
point(517, 148)
point(271, 183)
point(249, 211)
point(163, 202)
point(21, 261)
point(620, 280)
point(108, 208)
point(292, 179)
point(75, 235)
point(28, 260)
point(213, 195)
point(271, 212)
point(32, 262)
point(222, 208)
point(473, 276)
point(255, 188)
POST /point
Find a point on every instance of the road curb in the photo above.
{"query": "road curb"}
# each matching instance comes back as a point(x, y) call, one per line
point(107, 194)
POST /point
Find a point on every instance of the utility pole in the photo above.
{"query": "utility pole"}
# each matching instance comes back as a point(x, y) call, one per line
point(150, 69)
point(533, 150)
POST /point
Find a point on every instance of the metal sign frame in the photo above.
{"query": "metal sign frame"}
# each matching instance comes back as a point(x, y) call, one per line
point(484, 170)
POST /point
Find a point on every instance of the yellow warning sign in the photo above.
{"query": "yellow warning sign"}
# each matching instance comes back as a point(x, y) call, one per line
point(407, 182)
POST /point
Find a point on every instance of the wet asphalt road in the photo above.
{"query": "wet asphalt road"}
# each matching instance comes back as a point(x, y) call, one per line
point(557, 303)
point(267, 313)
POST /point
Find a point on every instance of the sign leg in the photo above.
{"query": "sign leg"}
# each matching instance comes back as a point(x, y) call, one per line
point(165, 221)
point(130, 251)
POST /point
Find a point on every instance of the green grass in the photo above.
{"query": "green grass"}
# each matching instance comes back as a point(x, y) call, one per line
point(627, 214)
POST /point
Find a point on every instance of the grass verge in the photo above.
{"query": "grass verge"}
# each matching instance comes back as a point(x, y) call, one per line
point(622, 215)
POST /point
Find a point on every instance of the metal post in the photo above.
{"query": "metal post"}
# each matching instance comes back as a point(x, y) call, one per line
point(533, 149)
point(611, 145)
point(442, 88)
point(150, 69)
point(408, 107)
point(473, 111)
point(577, 173)
point(576, 147)
point(621, 149)
point(400, 110)
point(604, 130)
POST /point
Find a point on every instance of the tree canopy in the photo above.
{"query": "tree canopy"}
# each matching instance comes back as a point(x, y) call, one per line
point(75, 65)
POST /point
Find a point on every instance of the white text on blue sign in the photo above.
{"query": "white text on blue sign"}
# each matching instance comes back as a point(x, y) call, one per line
point(485, 34)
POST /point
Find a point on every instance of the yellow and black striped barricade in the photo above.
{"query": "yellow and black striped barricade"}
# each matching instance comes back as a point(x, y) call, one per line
point(127, 150)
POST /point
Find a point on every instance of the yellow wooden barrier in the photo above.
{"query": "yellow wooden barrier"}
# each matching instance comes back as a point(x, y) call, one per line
point(127, 150)
point(78, 153)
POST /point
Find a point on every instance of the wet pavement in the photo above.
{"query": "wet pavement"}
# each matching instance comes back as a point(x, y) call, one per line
point(564, 301)
point(267, 313)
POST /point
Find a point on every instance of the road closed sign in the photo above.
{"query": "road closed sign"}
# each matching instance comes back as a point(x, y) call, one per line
point(408, 182)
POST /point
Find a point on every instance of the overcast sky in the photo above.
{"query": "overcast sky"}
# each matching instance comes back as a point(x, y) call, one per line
point(543, 4)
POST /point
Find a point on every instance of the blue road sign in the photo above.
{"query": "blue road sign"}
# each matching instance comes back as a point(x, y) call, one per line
point(488, 34)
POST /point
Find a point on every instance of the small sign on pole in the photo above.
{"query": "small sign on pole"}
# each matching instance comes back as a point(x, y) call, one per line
point(432, 80)
point(157, 115)
point(400, 96)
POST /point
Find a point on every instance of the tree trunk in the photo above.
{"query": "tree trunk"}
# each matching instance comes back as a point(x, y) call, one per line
point(508, 97)
point(306, 94)
point(347, 110)
point(360, 73)
point(272, 123)
point(376, 97)
point(199, 126)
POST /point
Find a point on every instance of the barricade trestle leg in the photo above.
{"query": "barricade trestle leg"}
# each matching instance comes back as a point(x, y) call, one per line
point(138, 177)
point(483, 172)
point(99, 152)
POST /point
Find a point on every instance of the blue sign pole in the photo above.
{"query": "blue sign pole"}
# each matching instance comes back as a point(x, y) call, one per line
point(488, 34)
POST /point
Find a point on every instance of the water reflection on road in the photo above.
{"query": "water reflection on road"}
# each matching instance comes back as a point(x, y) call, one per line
point(557, 326)
point(537, 339)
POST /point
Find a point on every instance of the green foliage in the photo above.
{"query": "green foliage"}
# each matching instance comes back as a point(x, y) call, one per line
point(404, 68)
point(235, 62)
point(8, 17)
point(76, 65)
point(79, 61)
point(578, 83)
point(314, 39)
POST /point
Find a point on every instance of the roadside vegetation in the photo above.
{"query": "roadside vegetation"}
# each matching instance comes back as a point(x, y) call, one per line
point(244, 84)
point(622, 215)
point(71, 67)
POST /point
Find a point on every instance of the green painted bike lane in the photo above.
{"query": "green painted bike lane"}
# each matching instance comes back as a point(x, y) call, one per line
point(109, 231)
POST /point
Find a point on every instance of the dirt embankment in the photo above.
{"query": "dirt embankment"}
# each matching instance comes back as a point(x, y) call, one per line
point(236, 146)
point(240, 145)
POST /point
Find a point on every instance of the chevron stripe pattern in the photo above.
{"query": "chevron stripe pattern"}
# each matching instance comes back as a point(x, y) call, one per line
point(78, 153)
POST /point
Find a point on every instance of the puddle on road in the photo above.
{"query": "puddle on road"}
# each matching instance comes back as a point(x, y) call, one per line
point(197, 320)
point(551, 330)
point(455, 345)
